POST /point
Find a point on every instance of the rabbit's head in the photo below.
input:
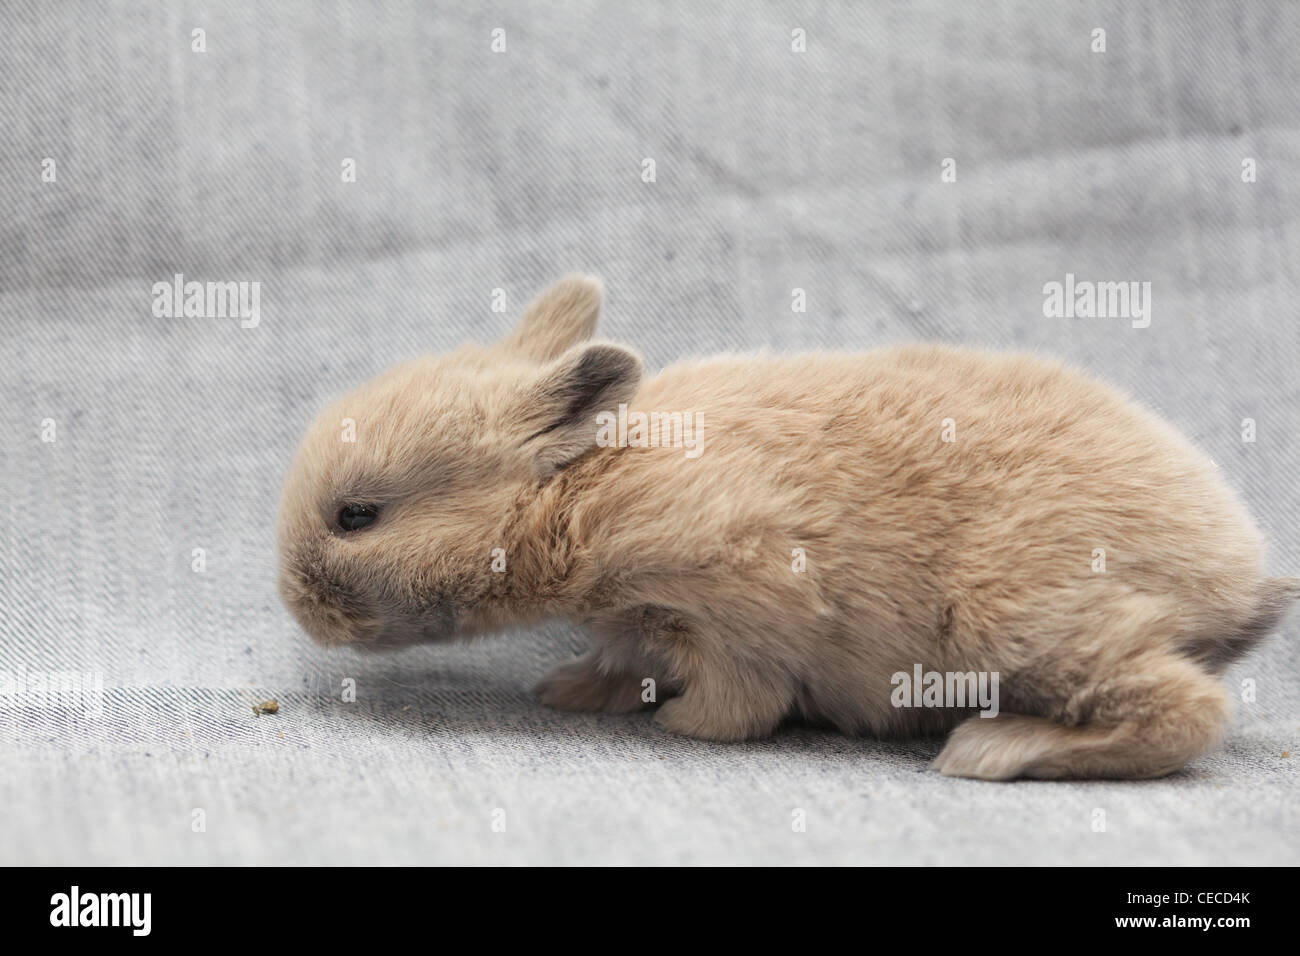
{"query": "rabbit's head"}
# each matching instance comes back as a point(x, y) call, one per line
point(402, 490)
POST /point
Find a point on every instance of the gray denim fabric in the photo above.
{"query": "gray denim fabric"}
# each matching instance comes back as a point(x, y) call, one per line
point(775, 170)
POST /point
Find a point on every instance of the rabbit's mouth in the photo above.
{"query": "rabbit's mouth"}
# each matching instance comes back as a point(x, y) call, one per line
point(430, 623)
point(332, 613)
point(338, 610)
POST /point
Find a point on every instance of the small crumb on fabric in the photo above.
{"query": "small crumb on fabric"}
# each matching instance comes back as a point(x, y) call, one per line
point(266, 707)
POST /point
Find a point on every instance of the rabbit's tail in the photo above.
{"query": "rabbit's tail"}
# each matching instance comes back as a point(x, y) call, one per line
point(1275, 597)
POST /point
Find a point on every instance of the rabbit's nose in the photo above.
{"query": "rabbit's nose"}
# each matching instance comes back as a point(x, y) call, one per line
point(327, 608)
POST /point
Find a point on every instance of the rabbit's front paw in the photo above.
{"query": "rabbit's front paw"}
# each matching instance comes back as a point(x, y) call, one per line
point(579, 685)
point(723, 721)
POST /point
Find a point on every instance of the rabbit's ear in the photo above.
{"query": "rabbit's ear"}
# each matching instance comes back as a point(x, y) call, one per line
point(558, 413)
point(559, 318)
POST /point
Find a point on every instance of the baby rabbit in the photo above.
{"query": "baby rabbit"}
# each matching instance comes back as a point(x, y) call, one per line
point(845, 519)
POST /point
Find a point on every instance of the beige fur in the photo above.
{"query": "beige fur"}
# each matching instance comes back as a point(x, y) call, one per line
point(969, 555)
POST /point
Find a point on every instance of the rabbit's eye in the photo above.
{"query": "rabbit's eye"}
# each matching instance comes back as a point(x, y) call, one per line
point(355, 517)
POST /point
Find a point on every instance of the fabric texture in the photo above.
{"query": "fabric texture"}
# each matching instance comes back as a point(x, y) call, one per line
point(774, 170)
